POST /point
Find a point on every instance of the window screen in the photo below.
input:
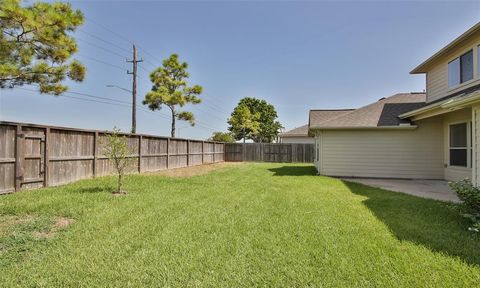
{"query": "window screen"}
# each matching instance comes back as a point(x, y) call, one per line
point(459, 146)
point(466, 66)
point(454, 73)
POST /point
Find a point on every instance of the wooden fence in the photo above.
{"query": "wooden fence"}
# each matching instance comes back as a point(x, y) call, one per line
point(270, 152)
point(33, 156)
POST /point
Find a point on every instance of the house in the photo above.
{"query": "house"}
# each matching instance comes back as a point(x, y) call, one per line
point(297, 135)
point(432, 135)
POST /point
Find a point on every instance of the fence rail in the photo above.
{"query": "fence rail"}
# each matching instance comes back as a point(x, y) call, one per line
point(270, 152)
point(33, 156)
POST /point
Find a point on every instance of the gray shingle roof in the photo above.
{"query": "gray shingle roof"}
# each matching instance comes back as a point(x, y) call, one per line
point(317, 117)
point(379, 114)
point(299, 131)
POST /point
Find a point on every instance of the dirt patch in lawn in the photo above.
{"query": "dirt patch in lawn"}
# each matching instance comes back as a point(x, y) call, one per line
point(31, 226)
point(7, 222)
point(19, 234)
point(195, 170)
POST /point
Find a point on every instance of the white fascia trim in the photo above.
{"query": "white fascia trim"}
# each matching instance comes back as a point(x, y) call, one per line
point(400, 127)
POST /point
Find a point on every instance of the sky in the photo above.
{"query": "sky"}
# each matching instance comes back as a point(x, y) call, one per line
point(297, 55)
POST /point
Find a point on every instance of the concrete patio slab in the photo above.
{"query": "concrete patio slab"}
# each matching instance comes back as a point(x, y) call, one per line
point(432, 189)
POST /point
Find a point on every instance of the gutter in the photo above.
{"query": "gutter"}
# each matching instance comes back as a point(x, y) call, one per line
point(446, 104)
point(399, 127)
point(293, 135)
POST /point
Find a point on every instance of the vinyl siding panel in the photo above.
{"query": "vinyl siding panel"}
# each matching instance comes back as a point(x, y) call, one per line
point(476, 145)
point(437, 73)
point(437, 82)
point(384, 153)
point(298, 140)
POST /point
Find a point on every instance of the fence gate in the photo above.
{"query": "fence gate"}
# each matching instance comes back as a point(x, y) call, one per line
point(31, 165)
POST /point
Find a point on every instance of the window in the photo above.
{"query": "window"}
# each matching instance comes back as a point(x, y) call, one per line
point(460, 69)
point(454, 73)
point(478, 60)
point(460, 145)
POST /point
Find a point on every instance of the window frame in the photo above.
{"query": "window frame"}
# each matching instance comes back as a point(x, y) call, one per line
point(477, 71)
point(460, 76)
point(469, 146)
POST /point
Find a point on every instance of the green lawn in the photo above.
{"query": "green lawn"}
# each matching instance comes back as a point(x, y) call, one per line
point(245, 225)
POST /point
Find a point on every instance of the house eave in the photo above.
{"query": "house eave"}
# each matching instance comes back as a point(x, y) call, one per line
point(399, 127)
point(292, 135)
point(445, 106)
point(420, 69)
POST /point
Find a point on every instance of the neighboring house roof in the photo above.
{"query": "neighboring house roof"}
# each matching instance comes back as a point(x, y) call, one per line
point(296, 132)
point(422, 67)
point(383, 113)
point(318, 116)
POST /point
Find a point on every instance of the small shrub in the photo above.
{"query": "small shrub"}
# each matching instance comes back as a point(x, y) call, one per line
point(470, 195)
point(115, 147)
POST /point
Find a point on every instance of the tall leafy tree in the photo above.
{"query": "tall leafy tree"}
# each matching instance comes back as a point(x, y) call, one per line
point(222, 137)
point(269, 126)
point(170, 88)
point(36, 45)
point(243, 123)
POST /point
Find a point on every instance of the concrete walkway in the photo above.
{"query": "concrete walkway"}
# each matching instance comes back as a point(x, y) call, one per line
point(433, 189)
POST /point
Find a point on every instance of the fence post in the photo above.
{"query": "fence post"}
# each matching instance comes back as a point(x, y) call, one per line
point(303, 156)
point(243, 156)
point(213, 160)
point(291, 152)
point(188, 153)
point(95, 148)
point(140, 137)
point(203, 152)
point(19, 153)
point(46, 158)
point(168, 153)
point(262, 146)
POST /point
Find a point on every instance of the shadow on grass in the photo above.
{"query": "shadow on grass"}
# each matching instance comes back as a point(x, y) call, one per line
point(92, 190)
point(433, 224)
point(294, 171)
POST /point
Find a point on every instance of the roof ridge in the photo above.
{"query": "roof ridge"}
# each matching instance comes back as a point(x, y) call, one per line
point(386, 98)
point(346, 109)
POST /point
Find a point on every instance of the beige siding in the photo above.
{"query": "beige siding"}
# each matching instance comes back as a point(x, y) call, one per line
point(298, 140)
point(384, 153)
point(437, 73)
point(476, 145)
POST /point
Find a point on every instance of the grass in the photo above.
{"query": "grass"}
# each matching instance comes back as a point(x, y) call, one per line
point(246, 225)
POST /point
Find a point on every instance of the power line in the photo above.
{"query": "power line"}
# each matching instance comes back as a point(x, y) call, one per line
point(116, 102)
point(126, 40)
point(212, 105)
point(111, 31)
point(144, 69)
point(100, 47)
point(101, 61)
point(104, 41)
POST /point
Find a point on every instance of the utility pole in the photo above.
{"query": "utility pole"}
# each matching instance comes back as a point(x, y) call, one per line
point(134, 62)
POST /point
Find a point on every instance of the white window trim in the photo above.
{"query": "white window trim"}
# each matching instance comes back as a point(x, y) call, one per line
point(476, 67)
point(468, 148)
